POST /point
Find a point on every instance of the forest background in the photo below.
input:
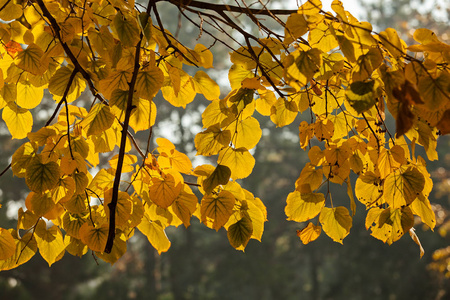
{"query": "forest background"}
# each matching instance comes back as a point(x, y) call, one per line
point(202, 265)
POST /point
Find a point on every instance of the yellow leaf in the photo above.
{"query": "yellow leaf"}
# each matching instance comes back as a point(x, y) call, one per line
point(118, 103)
point(215, 113)
point(217, 209)
point(416, 240)
point(366, 64)
point(8, 93)
point(434, 92)
point(322, 39)
point(402, 186)
point(296, 26)
point(75, 246)
point(68, 164)
point(421, 207)
point(395, 223)
point(98, 120)
point(362, 95)
point(126, 28)
point(310, 233)
point(18, 120)
point(303, 207)
point(41, 136)
point(123, 208)
point(306, 133)
point(50, 242)
point(337, 155)
point(77, 204)
point(212, 140)
point(81, 182)
point(248, 133)
point(393, 43)
point(117, 79)
point(240, 161)
point(185, 205)
point(301, 66)
point(316, 156)
point(28, 96)
point(220, 176)
point(310, 7)
point(206, 86)
point(240, 232)
point(184, 96)
point(390, 160)
point(128, 162)
point(336, 222)
point(58, 84)
point(41, 176)
point(283, 112)
point(323, 129)
point(104, 141)
point(155, 235)
point(29, 60)
point(40, 203)
point(309, 175)
point(237, 74)
point(26, 248)
point(368, 189)
point(94, 237)
point(7, 244)
point(118, 250)
point(149, 82)
point(10, 11)
point(174, 159)
point(164, 145)
point(103, 179)
point(26, 219)
point(257, 213)
point(265, 102)
point(71, 223)
point(165, 190)
point(200, 56)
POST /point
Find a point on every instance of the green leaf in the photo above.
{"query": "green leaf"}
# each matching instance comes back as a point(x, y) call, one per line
point(240, 232)
point(30, 60)
point(41, 176)
point(149, 82)
point(220, 175)
point(361, 95)
point(126, 29)
point(98, 120)
point(59, 81)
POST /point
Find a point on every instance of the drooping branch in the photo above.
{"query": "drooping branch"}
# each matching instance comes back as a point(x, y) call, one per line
point(115, 192)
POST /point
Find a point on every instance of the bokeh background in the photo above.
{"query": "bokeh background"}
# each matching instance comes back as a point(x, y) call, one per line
point(202, 265)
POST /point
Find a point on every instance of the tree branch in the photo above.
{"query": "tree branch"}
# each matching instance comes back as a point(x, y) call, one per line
point(115, 192)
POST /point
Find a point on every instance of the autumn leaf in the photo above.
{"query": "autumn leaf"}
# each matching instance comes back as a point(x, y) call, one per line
point(336, 222)
point(309, 234)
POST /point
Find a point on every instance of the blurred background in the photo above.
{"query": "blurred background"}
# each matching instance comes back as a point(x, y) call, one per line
point(202, 265)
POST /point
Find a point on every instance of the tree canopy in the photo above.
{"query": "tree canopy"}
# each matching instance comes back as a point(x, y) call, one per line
point(103, 63)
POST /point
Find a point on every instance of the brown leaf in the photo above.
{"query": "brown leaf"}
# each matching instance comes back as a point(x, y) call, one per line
point(404, 120)
point(444, 124)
